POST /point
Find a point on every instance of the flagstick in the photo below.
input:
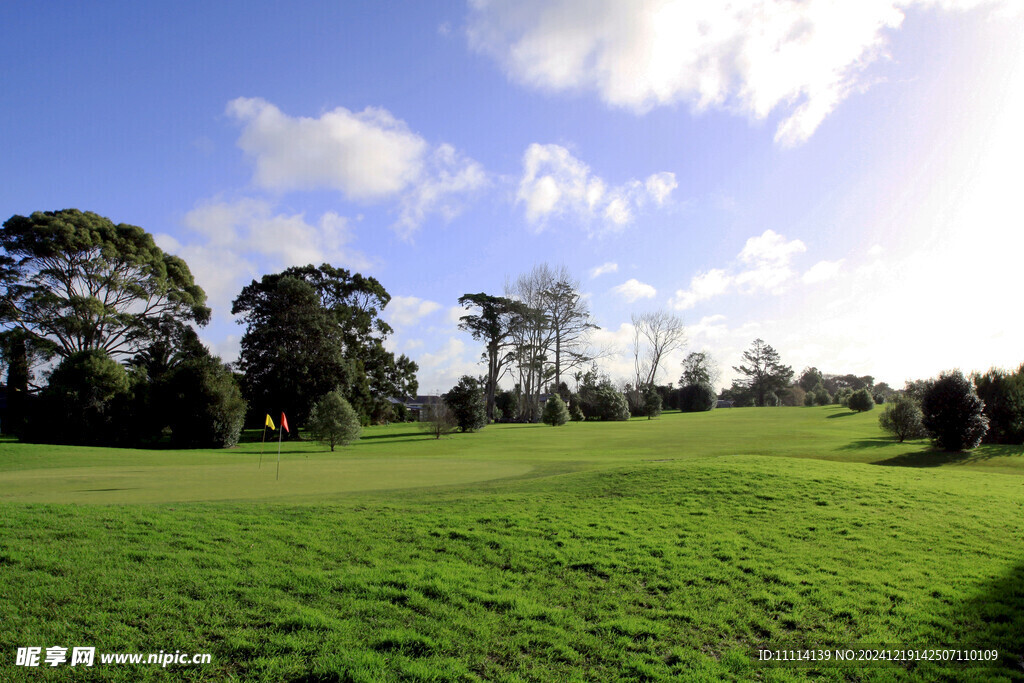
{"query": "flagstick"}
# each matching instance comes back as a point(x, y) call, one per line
point(262, 443)
point(280, 433)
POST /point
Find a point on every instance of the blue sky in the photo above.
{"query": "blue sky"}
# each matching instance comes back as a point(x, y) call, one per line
point(840, 179)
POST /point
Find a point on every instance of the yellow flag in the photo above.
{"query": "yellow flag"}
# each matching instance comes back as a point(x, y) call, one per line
point(270, 423)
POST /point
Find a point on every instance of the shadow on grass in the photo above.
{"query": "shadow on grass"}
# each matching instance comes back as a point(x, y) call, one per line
point(931, 457)
point(994, 619)
point(877, 442)
point(835, 415)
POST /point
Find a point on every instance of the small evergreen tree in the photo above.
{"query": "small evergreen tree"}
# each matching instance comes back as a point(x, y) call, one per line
point(555, 412)
point(576, 413)
point(1003, 394)
point(695, 398)
point(861, 401)
point(652, 403)
point(953, 413)
point(332, 421)
point(822, 397)
point(902, 418)
point(468, 404)
point(809, 398)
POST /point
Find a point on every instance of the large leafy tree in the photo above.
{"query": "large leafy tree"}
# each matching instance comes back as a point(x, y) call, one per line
point(493, 324)
point(763, 372)
point(310, 331)
point(83, 283)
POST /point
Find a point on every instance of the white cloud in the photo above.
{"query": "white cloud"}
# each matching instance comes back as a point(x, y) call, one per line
point(441, 369)
point(822, 271)
point(764, 266)
point(367, 156)
point(632, 289)
point(608, 267)
point(702, 286)
point(555, 183)
point(751, 57)
point(710, 327)
point(455, 314)
point(409, 310)
point(235, 236)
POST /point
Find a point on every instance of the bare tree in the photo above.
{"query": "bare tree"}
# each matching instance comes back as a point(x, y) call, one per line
point(571, 324)
point(498, 319)
point(655, 335)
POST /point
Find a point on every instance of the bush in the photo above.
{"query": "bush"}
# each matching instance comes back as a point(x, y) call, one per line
point(332, 421)
point(809, 399)
point(861, 401)
point(652, 403)
point(1003, 394)
point(576, 413)
point(555, 412)
point(822, 397)
point(879, 399)
point(82, 401)
point(695, 398)
point(953, 413)
point(609, 403)
point(902, 418)
point(205, 406)
point(771, 399)
point(842, 396)
point(506, 403)
point(467, 403)
point(437, 419)
point(794, 396)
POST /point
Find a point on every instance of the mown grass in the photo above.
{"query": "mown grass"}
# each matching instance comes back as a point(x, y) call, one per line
point(642, 551)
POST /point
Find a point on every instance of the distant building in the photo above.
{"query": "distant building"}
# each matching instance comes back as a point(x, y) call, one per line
point(415, 404)
point(724, 404)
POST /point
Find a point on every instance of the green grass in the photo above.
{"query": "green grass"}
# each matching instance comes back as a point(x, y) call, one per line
point(653, 550)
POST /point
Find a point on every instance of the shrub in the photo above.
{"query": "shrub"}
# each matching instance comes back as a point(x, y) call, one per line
point(794, 396)
point(81, 402)
point(861, 401)
point(576, 413)
point(437, 419)
point(953, 413)
point(332, 421)
point(695, 398)
point(822, 397)
point(842, 396)
point(467, 403)
point(555, 412)
point(652, 403)
point(879, 398)
point(809, 398)
point(507, 404)
point(205, 405)
point(771, 399)
point(902, 418)
point(609, 403)
point(1003, 394)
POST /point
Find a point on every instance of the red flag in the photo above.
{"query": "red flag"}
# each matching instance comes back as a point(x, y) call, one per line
point(284, 423)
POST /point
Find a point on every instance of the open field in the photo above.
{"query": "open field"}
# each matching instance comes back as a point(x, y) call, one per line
point(641, 550)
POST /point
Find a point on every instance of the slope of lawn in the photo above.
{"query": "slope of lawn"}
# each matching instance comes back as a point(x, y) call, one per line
point(658, 550)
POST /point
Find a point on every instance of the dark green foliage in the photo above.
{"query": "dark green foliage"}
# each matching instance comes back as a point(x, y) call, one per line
point(842, 397)
point(1003, 394)
point(576, 413)
point(310, 331)
point(669, 396)
point(822, 397)
point(694, 398)
point(507, 402)
point(861, 401)
point(652, 403)
point(809, 399)
point(493, 326)
point(205, 405)
point(81, 402)
point(698, 368)
point(467, 403)
point(953, 413)
point(764, 373)
point(82, 282)
point(555, 412)
point(810, 378)
point(771, 399)
point(609, 403)
point(902, 418)
point(879, 398)
point(332, 421)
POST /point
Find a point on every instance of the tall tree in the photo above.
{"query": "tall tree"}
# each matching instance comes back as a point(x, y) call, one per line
point(82, 282)
point(498, 317)
point(313, 330)
point(699, 368)
point(532, 338)
point(655, 335)
point(568, 314)
point(764, 374)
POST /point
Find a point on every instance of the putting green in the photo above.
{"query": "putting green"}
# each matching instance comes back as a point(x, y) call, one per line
point(300, 477)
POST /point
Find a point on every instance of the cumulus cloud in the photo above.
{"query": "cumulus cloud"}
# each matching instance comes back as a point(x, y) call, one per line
point(409, 310)
point(762, 265)
point(632, 290)
point(608, 267)
point(367, 156)
point(752, 57)
point(237, 239)
point(822, 271)
point(555, 183)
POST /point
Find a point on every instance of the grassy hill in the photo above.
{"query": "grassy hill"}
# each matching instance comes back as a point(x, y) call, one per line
point(642, 550)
